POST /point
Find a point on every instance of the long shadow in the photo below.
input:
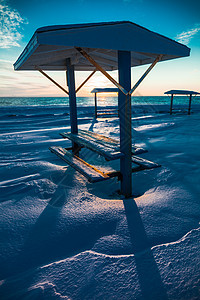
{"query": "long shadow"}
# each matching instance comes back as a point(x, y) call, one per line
point(148, 274)
point(53, 237)
point(92, 124)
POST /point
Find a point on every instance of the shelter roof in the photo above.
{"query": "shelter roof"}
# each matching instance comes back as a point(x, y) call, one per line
point(105, 90)
point(181, 92)
point(50, 46)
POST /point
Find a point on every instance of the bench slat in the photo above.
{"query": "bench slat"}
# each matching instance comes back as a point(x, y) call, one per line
point(99, 138)
point(90, 172)
point(108, 142)
point(107, 114)
point(93, 174)
point(146, 164)
point(90, 143)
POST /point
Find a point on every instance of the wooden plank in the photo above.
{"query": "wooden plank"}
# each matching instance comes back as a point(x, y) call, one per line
point(108, 111)
point(99, 137)
point(107, 114)
point(99, 68)
point(146, 73)
point(109, 142)
point(52, 80)
point(90, 172)
point(108, 153)
point(86, 80)
point(146, 164)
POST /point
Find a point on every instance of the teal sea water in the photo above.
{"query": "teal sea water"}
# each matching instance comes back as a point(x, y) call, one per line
point(89, 101)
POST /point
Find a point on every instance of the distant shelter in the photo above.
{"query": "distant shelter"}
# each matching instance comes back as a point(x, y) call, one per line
point(181, 92)
point(109, 112)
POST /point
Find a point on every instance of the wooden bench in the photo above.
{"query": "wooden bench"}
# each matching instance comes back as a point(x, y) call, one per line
point(105, 146)
point(92, 173)
point(86, 141)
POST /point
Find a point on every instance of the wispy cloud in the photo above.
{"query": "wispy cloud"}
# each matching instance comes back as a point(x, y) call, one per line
point(23, 83)
point(186, 36)
point(10, 25)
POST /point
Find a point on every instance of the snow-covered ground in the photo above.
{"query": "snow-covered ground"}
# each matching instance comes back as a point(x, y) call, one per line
point(64, 238)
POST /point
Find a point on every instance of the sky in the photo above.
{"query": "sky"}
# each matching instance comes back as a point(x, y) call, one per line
point(176, 19)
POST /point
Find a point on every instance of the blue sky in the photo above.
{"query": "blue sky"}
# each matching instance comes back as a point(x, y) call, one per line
point(179, 20)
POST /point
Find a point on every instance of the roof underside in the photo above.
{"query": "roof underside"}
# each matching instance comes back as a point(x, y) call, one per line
point(105, 90)
point(181, 92)
point(51, 46)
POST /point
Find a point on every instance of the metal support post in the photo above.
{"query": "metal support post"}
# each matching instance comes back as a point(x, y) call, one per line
point(189, 108)
point(124, 102)
point(72, 101)
point(95, 105)
point(171, 105)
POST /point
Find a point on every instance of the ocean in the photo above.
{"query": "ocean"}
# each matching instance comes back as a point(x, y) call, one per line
point(89, 101)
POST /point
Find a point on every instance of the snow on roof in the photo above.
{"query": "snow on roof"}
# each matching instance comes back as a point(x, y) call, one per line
point(50, 46)
point(105, 90)
point(181, 92)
